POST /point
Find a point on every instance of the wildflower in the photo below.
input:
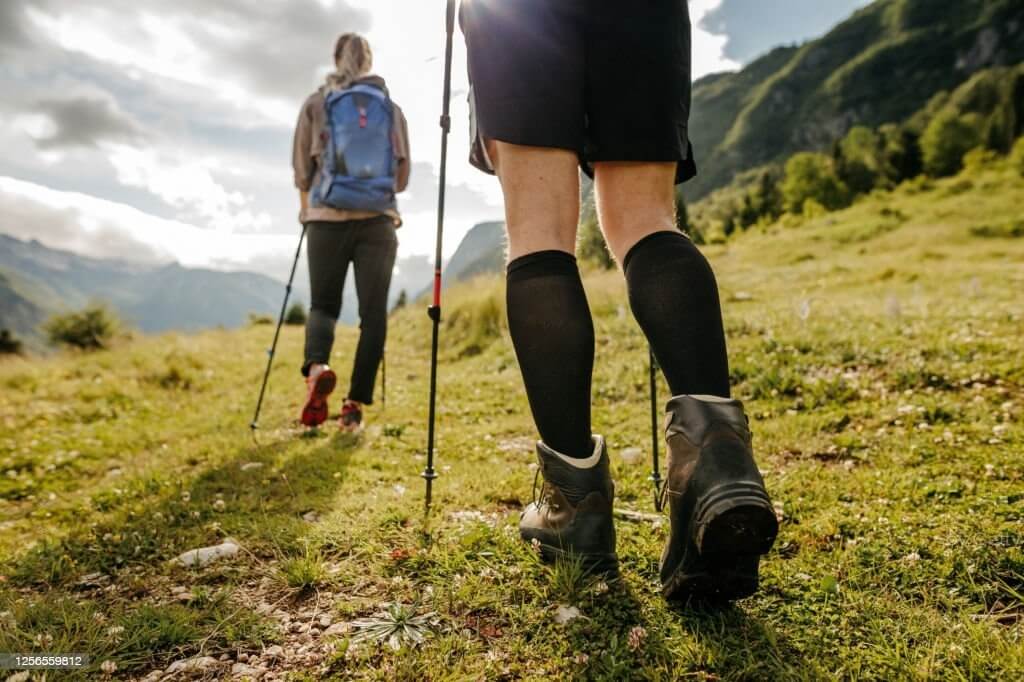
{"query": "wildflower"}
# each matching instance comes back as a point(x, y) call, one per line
point(637, 637)
point(115, 630)
point(219, 506)
point(186, 497)
point(108, 667)
point(535, 543)
point(581, 659)
point(601, 587)
point(400, 554)
point(43, 640)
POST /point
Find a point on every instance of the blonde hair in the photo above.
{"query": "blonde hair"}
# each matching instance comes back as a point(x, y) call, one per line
point(353, 59)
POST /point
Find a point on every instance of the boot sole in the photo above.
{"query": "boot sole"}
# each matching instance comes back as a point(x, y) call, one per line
point(593, 564)
point(314, 412)
point(735, 526)
point(734, 520)
point(736, 579)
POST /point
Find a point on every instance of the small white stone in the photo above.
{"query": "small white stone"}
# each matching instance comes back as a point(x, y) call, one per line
point(206, 555)
point(631, 455)
point(337, 630)
point(242, 671)
point(195, 664)
point(565, 614)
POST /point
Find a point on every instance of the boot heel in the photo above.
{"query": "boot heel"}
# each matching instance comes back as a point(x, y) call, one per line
point(736, 519)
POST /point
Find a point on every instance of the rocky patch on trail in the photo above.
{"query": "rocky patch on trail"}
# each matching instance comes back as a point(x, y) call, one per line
point(307, 636)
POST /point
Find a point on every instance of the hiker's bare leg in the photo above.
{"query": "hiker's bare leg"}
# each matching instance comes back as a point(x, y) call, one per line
point(633, 201)
point(541, 188)
point(548, 316)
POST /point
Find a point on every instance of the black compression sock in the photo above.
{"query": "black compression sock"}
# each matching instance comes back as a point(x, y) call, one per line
point(553, 335)
point(674, 297)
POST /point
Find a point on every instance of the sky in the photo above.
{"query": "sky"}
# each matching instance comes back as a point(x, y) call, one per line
point(154, 131)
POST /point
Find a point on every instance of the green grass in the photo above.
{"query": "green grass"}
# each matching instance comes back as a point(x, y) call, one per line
point(882, 367)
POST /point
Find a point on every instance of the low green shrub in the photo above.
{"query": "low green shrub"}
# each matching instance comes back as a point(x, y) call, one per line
point(92, 328)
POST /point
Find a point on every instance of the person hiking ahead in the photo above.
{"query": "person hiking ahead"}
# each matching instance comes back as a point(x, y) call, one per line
point(350, 156)
point(605, 85)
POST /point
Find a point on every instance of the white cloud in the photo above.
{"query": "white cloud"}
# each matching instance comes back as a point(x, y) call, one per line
point(188, 184)
point(98, 219)
point(708, 48)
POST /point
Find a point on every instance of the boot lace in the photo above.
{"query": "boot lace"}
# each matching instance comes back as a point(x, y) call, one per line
point(545, 490)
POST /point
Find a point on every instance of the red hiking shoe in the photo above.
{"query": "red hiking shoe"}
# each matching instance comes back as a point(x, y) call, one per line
point(320, 383)
point(351, 418)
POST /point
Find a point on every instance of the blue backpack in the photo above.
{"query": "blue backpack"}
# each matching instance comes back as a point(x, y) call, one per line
point(358, 163)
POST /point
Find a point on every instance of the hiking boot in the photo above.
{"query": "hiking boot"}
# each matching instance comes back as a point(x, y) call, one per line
point(722, 519)
point(573, 515)
point(351, 419)
point(319, 384)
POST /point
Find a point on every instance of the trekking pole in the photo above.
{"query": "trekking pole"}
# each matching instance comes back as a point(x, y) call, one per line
point(384, 380)
point(655, 477)
point(280, 320)
point(434, 311)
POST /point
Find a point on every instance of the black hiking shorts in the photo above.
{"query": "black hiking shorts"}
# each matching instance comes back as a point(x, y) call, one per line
point(608, 79)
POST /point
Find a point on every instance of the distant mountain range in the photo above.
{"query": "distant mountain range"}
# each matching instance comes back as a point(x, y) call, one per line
point(36, 281)
point(881, 65)
point(481, 251)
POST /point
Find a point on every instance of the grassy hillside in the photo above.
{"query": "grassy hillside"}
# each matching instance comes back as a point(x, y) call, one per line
point(879, 353)
point(881, 65)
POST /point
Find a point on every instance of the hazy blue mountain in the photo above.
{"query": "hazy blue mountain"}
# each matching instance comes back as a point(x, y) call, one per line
point(481, 251)
point(38, 281)
point(18, 314)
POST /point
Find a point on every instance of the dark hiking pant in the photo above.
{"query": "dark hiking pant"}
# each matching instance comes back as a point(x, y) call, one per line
point(370, 246)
